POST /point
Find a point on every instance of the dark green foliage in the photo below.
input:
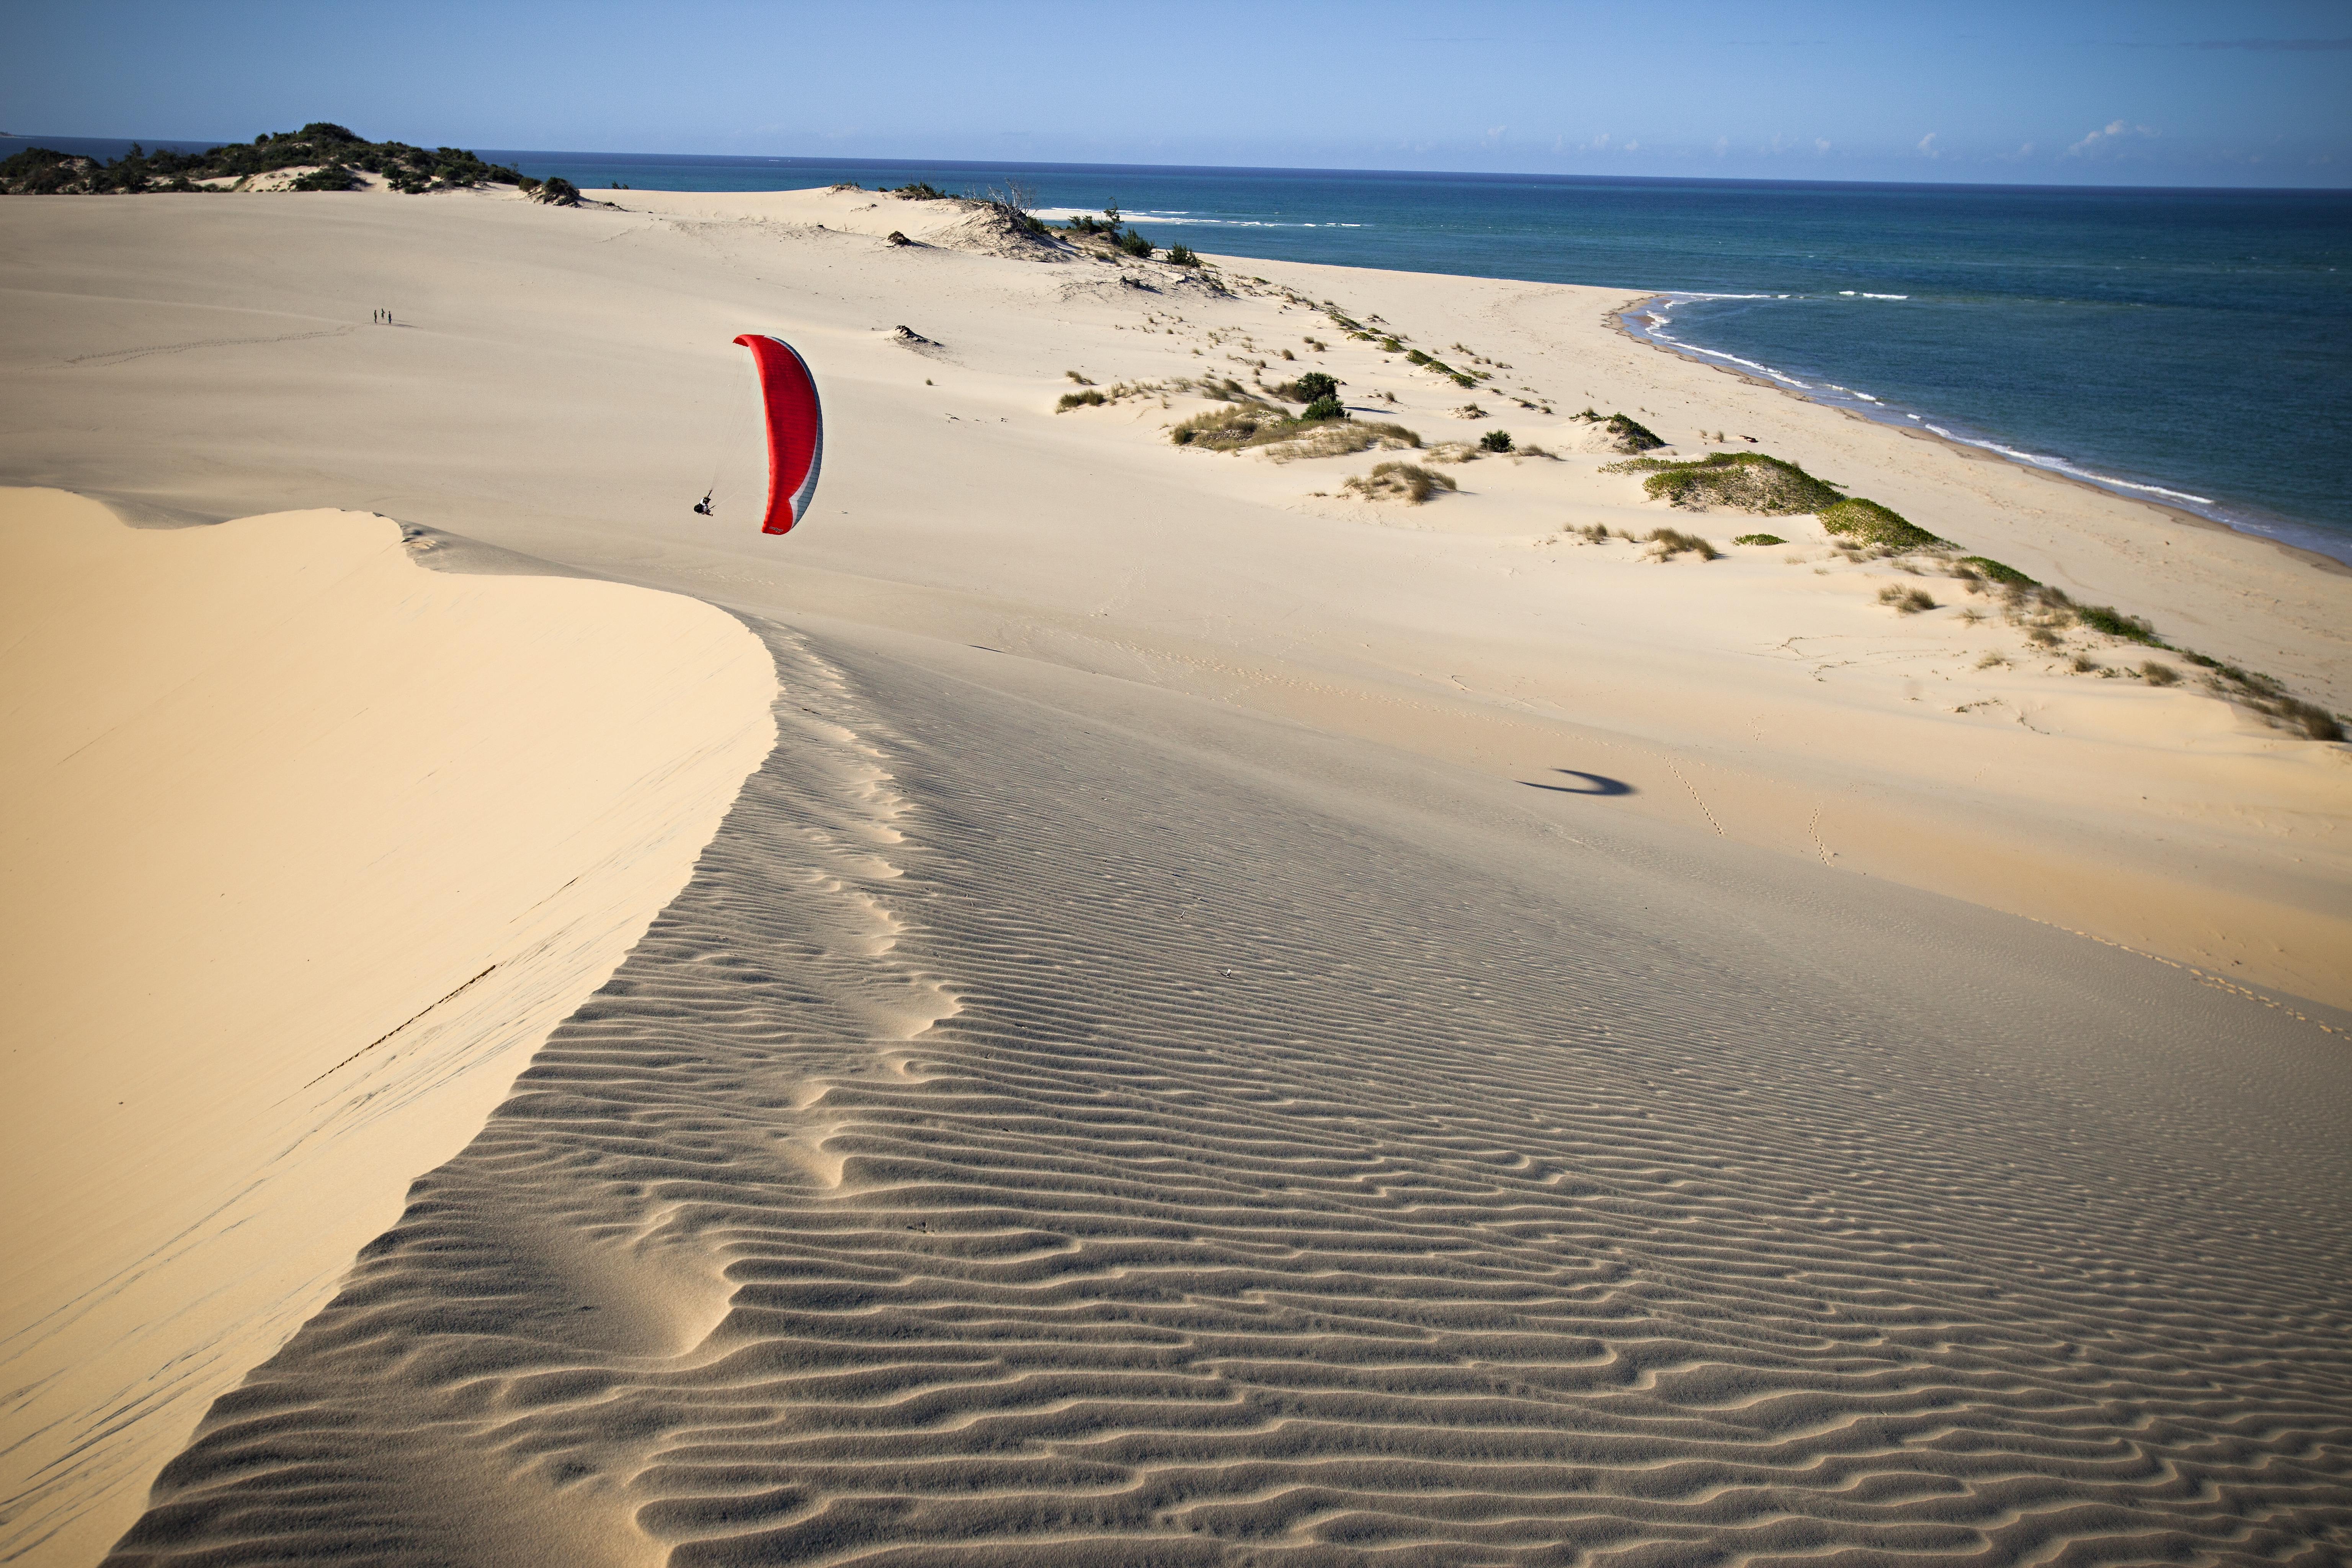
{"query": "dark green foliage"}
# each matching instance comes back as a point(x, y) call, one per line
point(1324, 407)
point(2116, 623)
point(1867, 522)
point(919, 191)
point(1182, 256)
point(38, 171)
point(560, 192)
point(1135, 244)
point(2008, 576)
point(1758, 539)
point(334, 177)
point(1309, 387)
point(1495, 441)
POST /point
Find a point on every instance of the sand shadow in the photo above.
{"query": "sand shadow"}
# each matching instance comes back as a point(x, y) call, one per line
point(1594, 783)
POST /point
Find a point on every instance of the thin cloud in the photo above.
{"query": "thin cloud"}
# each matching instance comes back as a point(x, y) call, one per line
point(2112, 131)
point(2294, 44)
point(1928, 148)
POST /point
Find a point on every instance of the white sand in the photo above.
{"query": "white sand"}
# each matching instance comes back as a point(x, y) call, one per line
point(1143, 1065)
point(306, 849)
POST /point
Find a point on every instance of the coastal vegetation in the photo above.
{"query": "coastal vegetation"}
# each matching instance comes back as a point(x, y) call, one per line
point(1867, 522)
point(1285, 437)
point(1408, 483)
point(1629, 436)
point(1758, 539)
point(1670, 542)
point(2009, 576)
point(1744, 481)
point(1495, 441)
point(332, 154)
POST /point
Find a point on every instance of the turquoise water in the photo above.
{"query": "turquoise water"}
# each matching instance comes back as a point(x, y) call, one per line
point(2193, 347)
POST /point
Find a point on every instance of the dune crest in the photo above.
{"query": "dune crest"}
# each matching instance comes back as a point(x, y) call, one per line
point(306, 849)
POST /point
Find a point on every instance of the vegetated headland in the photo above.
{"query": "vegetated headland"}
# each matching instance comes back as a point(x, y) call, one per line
point(321, 156)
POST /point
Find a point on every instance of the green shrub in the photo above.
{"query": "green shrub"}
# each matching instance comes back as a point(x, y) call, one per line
point(1495, 441)
point(1758, 539)
point(334, 177)
point(1309, 387)
point(1182, 256)
point(2009, 576)
point(1135, 244)
point(1867, 522)
point(1745, 481)
point(1324, 407)
point(560, 192)
point(919, 191)
point(2116, 623)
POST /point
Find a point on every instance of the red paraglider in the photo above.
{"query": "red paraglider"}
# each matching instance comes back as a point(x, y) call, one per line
point(796, 429)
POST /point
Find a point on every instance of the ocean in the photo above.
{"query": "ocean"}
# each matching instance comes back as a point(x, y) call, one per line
point(2187, 346)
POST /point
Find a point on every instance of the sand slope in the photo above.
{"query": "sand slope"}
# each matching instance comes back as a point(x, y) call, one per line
point(1242, 1024)
point(305, 849)
point(1317, 1158)
point(563, 383)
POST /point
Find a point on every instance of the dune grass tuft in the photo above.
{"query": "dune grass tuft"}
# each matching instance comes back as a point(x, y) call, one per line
point(1408, 483)
point(1906, 601)
point(1758, 539)
point(1086, 399)
point(1670, 542)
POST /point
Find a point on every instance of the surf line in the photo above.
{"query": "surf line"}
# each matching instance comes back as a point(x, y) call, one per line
point(1646, 320)
point(388, 1034)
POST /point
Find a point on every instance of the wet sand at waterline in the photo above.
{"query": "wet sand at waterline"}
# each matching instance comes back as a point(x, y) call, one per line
point(1229, 1023)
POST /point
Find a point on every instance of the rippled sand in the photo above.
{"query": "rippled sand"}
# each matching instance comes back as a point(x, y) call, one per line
point(1014, 1146)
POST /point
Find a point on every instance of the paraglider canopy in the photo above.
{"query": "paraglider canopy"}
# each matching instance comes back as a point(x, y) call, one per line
point(796, 429)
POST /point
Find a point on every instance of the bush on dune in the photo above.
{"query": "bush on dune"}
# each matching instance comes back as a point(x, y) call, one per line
point(1744, 481)
point(1627, 435)
point(1285, 438)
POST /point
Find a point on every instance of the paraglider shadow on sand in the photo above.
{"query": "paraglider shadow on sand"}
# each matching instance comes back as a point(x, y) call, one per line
point(1593, 784)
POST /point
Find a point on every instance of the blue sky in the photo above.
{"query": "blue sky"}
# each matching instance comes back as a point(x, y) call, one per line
point(2258, 92)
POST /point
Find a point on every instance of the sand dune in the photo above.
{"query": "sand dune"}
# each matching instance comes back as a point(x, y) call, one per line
point(305, 850)
point(1316, 1159)
point(1239, 1023)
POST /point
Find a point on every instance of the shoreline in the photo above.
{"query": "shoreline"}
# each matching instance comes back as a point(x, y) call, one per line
point(2119, 490)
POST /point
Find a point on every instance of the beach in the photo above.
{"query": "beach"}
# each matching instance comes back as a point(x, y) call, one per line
point(1114, 1001)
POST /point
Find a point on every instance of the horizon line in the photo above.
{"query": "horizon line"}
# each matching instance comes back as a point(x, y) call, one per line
point(204, 143)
